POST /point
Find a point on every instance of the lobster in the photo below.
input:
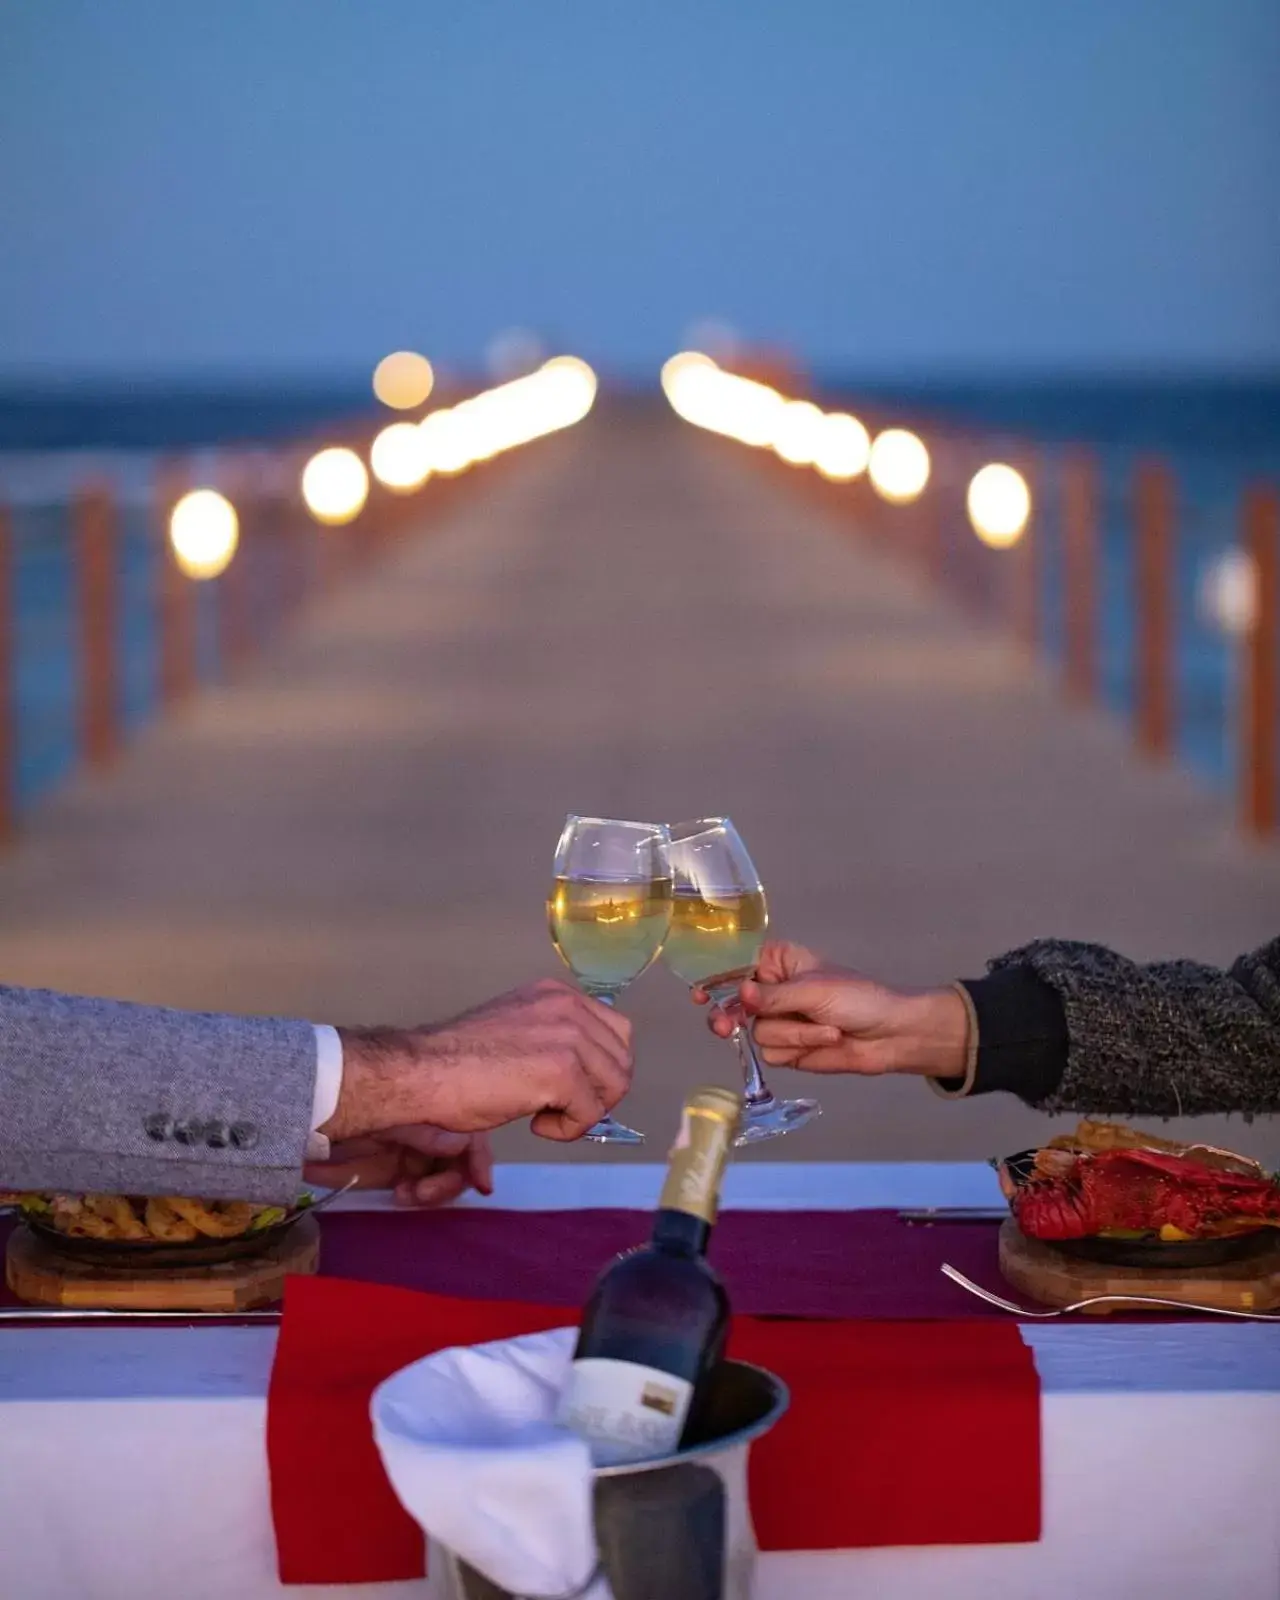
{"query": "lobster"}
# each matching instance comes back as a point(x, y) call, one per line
point(1140, 1191)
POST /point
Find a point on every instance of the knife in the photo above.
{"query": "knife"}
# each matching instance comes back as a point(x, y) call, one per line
point(955, 1214)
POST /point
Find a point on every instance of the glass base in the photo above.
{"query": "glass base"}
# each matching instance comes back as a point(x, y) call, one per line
point(770, 1118)
point(608, 1131)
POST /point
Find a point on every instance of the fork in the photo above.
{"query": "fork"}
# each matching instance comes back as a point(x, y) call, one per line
point(957, 1276)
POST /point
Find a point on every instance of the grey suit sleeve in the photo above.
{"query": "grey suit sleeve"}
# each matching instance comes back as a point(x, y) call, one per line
point(102, 1096)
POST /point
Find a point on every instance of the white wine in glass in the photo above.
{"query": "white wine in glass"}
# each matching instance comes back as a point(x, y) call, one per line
point(719, 918)
point(609, 911)
point(715, 933)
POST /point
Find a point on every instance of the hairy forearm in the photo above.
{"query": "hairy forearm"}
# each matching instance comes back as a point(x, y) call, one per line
point(386, 1082)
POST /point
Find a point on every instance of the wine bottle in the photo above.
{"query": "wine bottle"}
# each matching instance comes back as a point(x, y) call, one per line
point(655, 1325)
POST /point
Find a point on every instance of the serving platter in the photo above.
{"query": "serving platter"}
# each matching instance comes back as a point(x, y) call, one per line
point(151, 1254)
point(180, 1254)
point(1048, 1275)
point(42, 1275)
point(1150, 1251)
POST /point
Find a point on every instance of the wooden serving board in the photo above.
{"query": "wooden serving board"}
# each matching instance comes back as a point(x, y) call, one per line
point(37, 1273)
point(1056, 1279)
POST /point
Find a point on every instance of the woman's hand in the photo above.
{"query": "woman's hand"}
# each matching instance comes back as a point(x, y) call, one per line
point(810, 1014)
point(424, 1166)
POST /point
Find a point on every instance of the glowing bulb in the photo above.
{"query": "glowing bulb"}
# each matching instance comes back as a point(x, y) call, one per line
point(569, 385)
point(403, 380)
point(898, 466)
point(1227, 593)
point(798, 435)
point(204, 532)
point(444, 440)
point(675, 369)
point(335, 485)
point(398, 458)
point(999, 503)
point(843, 448)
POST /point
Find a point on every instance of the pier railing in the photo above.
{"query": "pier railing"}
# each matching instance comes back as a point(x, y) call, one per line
point(103, 623)
point(1149, 584)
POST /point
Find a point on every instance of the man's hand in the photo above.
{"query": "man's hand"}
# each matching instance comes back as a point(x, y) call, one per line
point(822, 1018)
point(423, 1166)
point(546, 1051)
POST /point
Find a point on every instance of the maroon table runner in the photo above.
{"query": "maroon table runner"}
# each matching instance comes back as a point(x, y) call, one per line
point(864, 1264)
point(847, 1264)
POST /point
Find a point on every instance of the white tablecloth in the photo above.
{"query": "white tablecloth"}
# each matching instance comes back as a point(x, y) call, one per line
point(132, 1463)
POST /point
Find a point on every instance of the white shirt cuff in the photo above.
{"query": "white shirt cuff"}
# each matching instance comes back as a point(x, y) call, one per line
point(324, 1101)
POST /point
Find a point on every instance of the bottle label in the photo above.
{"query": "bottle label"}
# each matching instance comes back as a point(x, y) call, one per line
point(624, 1411)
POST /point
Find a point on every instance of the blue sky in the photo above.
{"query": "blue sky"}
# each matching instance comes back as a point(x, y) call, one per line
point(294, 186)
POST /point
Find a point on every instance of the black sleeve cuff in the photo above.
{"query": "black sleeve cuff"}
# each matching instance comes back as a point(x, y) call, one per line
point(1022, 1034)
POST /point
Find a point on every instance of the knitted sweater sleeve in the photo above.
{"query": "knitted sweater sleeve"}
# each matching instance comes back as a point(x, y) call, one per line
point(1171, 1039)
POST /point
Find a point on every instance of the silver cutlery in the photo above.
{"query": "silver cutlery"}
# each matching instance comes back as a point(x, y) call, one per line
point(955, 1214)
point(1102, 1300)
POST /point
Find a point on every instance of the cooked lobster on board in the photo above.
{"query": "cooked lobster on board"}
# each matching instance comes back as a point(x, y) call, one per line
point(1107, 1181)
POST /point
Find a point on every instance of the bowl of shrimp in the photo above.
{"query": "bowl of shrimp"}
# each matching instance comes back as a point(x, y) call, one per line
point(118, 1230)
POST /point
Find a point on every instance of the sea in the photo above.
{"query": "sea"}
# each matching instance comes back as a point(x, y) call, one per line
point(1219, 434)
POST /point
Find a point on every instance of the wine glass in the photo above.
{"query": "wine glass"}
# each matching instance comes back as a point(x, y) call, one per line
point(718, 920)
point(609, 910)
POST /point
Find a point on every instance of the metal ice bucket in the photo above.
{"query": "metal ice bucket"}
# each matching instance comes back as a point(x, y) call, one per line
point(676, 1528)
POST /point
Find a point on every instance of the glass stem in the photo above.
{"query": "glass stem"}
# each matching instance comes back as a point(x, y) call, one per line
point(757, 1091)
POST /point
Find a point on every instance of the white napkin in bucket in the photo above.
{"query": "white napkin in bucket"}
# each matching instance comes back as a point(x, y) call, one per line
point(469, 1441)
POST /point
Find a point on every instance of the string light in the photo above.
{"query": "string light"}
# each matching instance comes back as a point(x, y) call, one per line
point(403, 380)
point(798, 436)
point(1228, 593)
point(999, 504)
point(335, 485)
point(898, 466)
point(398, 458)
point(753, 413)
point(560, 393)
point(843, 449)
point(204, 532)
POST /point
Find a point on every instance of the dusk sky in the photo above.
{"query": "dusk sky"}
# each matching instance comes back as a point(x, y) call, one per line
point(295, 186)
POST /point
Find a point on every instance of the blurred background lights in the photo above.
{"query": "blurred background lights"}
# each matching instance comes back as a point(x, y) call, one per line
point(754, 413)
point(403, 380)
point(398, 457)
point(844, 447)
point(1227, 593)
point(204, 531)
point(740, 408)
point(560, 393)
point(335, 485)
point(513, 354)
point(567, 390)
point(444, 442)
point(999, 503)
point(898, 466)
point(798, 435)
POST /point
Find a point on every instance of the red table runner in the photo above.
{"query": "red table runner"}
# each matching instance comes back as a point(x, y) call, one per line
point(898, 1433)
